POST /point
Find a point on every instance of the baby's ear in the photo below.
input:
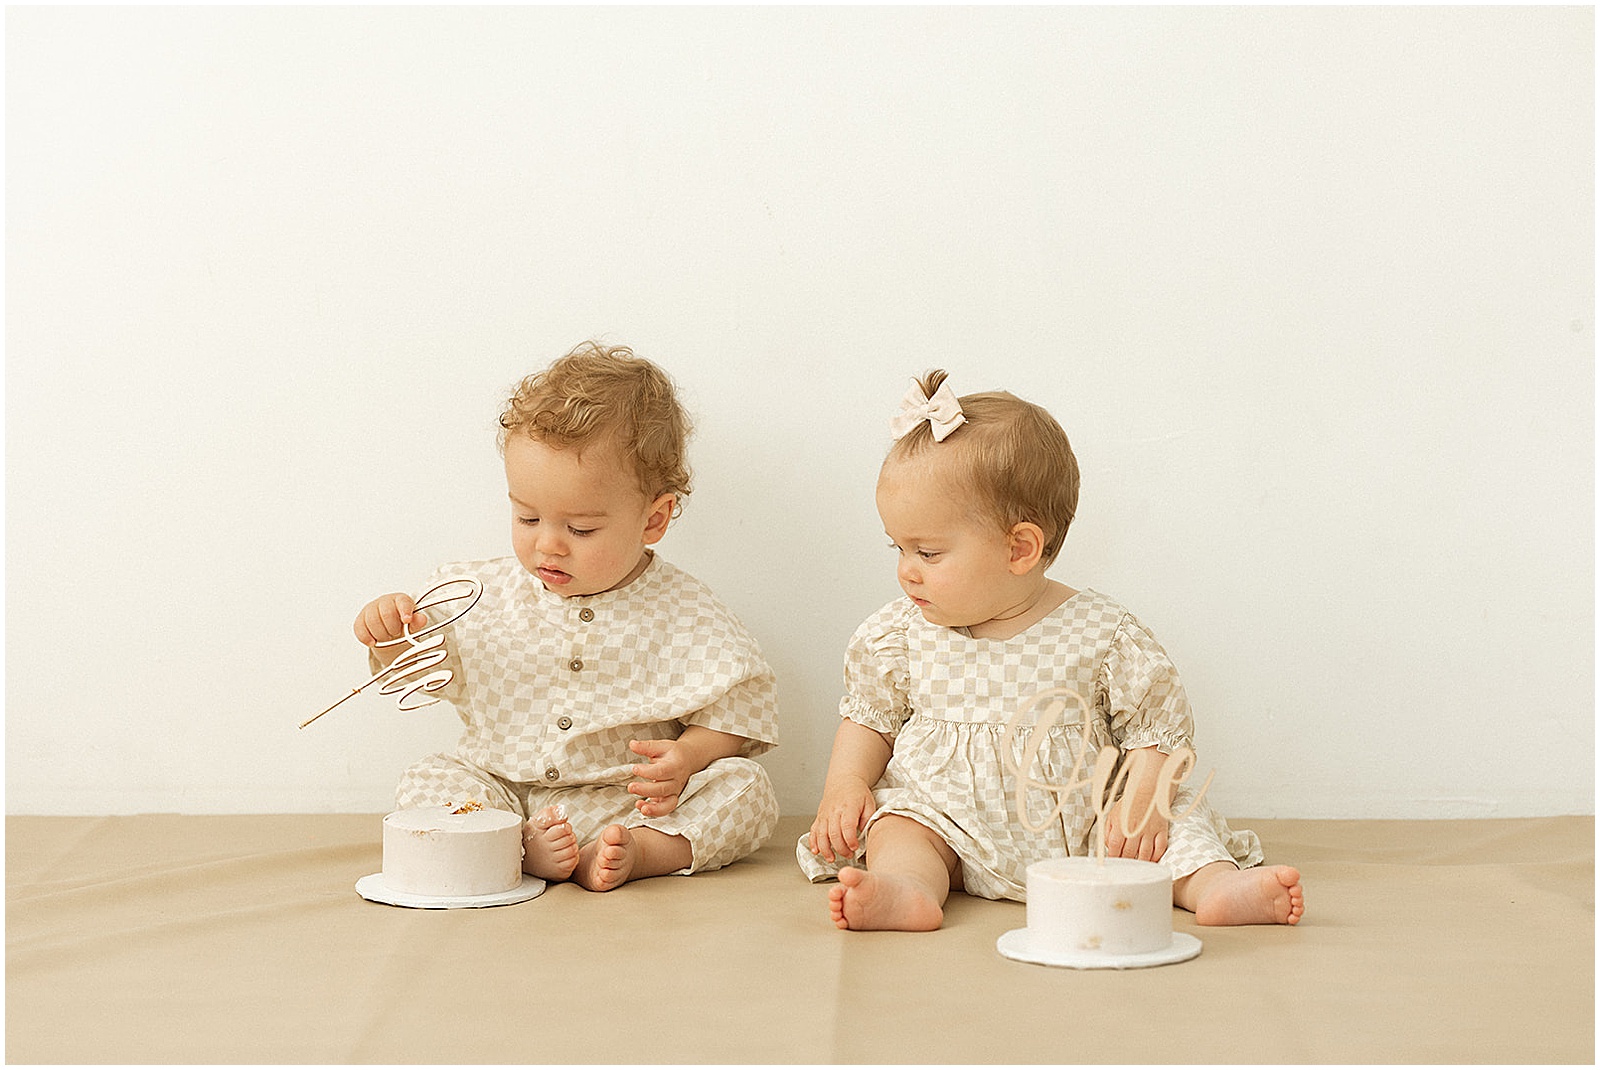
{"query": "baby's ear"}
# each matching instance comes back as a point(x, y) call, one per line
point(1027, 547)
point(655, 524)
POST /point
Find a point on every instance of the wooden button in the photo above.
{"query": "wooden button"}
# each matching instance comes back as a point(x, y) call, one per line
point(564, 723)
point(586, 614)
point(552, 773)
point(576, 664)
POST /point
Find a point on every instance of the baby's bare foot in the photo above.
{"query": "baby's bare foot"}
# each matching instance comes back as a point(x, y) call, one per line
point(863, 900)
point(608, 862)
point(549, 846)
point(1263, 895)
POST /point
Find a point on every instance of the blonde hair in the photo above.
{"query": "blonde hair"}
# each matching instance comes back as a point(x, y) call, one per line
point(599, 393)
point(1009, 454)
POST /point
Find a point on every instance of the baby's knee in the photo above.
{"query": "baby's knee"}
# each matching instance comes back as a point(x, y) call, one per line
point(747, 780)
point(746, 773)
point(732, 802)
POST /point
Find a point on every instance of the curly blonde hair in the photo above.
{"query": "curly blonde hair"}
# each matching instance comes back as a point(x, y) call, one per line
point(1010, 455)
point(600, 393)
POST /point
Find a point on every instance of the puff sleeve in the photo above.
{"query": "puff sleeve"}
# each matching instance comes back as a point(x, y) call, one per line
point(1144, 696)
point(877, 671)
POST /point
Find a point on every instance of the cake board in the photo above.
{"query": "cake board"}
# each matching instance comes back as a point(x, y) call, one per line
point(1019, 945)
point(373, 887)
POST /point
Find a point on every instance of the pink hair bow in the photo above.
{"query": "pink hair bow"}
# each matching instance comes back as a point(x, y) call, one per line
point(942, 411)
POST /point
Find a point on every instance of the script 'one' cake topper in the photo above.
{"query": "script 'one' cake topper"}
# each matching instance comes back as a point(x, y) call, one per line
point(1103, 783)
point(424, 653)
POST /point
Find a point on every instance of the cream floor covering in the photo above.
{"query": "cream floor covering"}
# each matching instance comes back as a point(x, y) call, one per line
point(241, 939)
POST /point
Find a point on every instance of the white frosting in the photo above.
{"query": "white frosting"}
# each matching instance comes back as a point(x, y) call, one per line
point(431, 851)
point(1114, 906)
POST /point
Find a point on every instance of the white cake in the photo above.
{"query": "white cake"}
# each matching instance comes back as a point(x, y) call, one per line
point(1090, 913)
point(445, 851)
point(1113, 906)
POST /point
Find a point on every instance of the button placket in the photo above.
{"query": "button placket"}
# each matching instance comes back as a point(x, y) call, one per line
point(575, 662)
point(575, 665)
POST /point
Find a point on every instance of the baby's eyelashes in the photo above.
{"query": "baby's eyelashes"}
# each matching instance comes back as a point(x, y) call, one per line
point(533, 521)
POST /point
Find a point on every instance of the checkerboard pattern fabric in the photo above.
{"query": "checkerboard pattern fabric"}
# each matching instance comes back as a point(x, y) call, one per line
point(946, 699)
point(551, 689)
point(727, 810)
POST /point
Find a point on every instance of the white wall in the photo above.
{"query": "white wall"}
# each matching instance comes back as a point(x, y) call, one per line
point(1311, 289)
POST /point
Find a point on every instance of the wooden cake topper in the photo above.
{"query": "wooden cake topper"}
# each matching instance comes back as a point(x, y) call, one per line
point(424, 653)
point(1103, 783)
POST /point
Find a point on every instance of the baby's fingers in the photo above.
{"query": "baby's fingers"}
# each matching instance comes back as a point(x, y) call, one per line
point(844, 836)
point(826, 843)
point(817, 840)
point(386, 618)
point(650, 748)
point(652, 789)
point(397, 611)
point(656, 773)
point(657, 807)
point(370, 626)
point(844, 831)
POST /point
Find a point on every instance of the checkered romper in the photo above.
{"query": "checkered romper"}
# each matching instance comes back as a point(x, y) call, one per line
point(551, 690)
point(946, 699)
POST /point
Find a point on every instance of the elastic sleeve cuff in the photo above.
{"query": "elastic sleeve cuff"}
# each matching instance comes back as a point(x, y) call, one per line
point(868, 716)
point(1164, 740)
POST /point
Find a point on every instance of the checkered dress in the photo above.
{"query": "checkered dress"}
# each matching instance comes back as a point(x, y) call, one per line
point(946, 699)
point(551, 690)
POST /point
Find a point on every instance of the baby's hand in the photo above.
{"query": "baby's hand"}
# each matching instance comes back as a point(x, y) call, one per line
point(1149, 845)
point(846, 805)
point(661, 780)
point(1138, 801)
point(383, 619)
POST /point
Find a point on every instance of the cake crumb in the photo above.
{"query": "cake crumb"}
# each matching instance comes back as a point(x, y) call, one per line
point(468, 807)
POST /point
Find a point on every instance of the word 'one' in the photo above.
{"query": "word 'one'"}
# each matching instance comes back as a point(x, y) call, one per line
point(1103, 783)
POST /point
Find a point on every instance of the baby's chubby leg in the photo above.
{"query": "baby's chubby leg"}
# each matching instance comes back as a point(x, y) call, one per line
point(1223, 894)
point(912, 872)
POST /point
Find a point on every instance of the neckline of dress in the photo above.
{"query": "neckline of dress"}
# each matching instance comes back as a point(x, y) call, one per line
point(966, 632)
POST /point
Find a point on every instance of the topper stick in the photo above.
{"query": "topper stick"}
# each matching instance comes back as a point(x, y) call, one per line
point(354, 691)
